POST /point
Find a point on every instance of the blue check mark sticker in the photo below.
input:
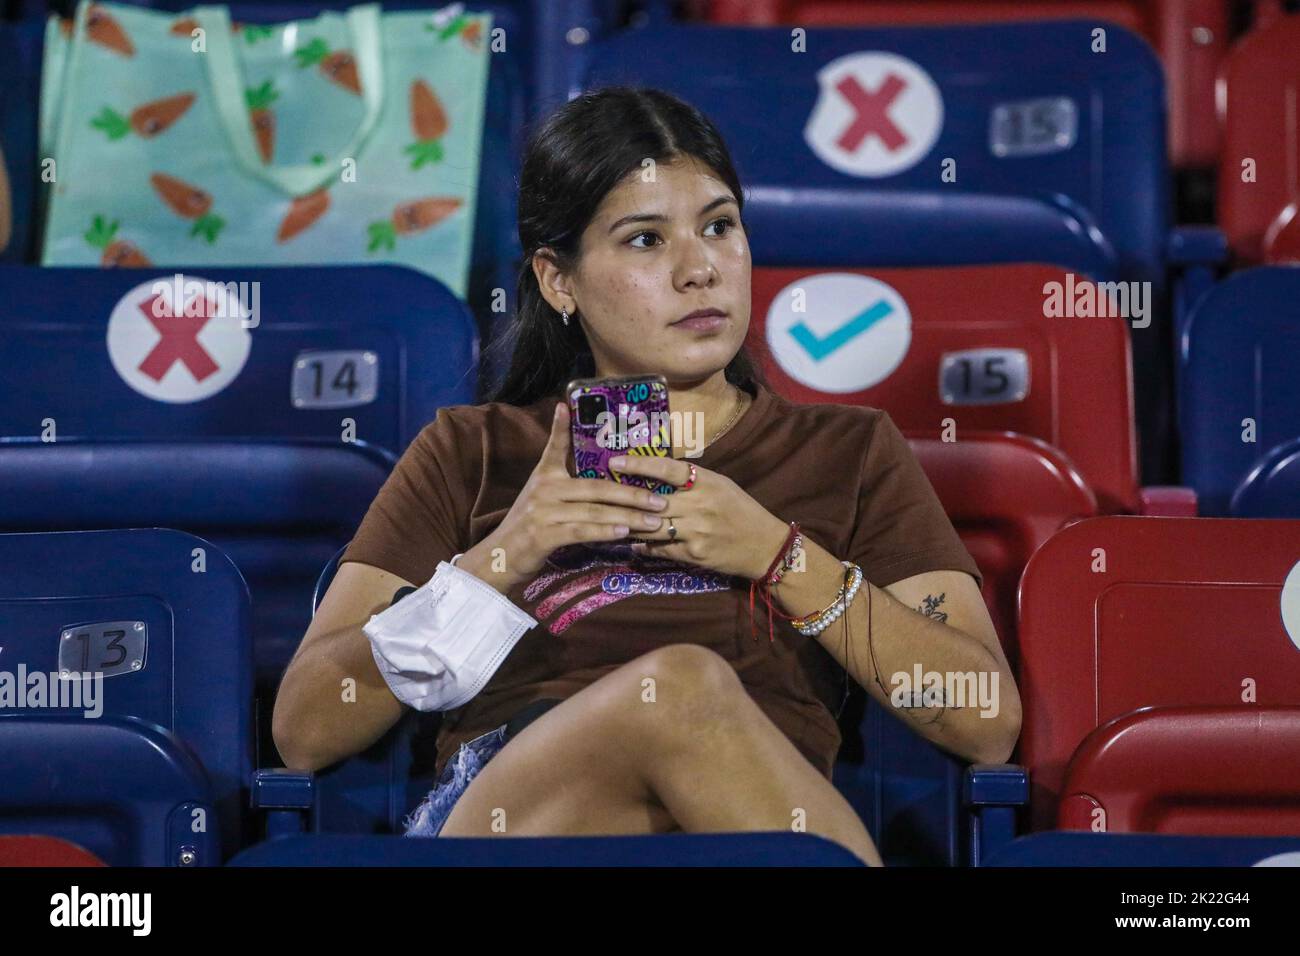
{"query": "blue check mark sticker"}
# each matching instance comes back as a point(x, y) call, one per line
point(819, 348)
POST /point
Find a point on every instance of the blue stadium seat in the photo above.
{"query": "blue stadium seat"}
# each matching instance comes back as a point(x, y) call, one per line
point(1097, 204)
point(279, 486)
point(1059, 152)
point(164, 616)
point(1141, 850)
point(1272, 487)
point(1241, 348)
point(127, 789)
point(700, 849)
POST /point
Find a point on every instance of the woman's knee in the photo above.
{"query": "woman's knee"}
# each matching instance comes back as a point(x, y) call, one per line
point(685, 688)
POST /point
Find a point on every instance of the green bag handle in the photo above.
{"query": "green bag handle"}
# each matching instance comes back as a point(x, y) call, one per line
point(228, 92)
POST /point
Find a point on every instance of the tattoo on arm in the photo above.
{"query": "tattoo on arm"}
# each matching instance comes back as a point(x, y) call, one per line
point(930, 607)
point(917, 706)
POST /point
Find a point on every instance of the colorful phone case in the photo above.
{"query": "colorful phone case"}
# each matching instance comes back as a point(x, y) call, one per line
point(635, 404)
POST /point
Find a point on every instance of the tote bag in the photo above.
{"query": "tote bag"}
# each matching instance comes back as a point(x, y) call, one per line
point(181, 138)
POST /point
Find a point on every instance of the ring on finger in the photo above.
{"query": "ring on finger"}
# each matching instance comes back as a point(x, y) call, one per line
point(672, 530)
point(690, 482)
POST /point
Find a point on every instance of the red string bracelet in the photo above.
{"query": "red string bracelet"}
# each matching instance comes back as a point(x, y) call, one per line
point(765, 581)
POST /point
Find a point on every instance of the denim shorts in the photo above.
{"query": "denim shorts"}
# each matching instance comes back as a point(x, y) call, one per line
point(427, 819)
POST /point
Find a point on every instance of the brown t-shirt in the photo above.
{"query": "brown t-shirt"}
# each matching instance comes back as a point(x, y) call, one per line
point(844, 473)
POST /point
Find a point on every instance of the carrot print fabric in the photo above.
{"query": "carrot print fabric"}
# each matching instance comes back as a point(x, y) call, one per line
point(148, 168)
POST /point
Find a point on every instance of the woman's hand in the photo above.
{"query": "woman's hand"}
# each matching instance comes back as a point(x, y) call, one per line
point(718, 524)
point(555, 509)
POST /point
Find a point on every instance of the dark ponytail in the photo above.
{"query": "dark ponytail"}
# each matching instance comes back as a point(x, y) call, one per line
point(582, 151)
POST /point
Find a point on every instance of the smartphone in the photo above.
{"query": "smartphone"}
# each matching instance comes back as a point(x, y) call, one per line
point(619, 416)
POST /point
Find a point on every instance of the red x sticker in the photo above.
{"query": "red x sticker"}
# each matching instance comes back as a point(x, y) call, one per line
point(877, 114)
point(872, 113)
point(179, 342)
point(178, 339)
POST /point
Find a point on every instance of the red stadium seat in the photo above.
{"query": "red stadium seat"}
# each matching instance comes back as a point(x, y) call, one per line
point(44, 851)
point(1079, 391)
point(1005, 494)
point(1259, 178)
point(1282, 240)
point(1214, 771)
point(1122, 613)
point(899, 13)
point(1190, 35)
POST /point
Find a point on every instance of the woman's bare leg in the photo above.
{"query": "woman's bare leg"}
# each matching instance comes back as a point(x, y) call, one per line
point(670, 740)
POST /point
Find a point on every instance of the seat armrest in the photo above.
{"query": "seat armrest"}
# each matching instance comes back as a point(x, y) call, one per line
point(1197, 246)
point(995, 785)
point(1168, 501)
point(992, 794)
point(287, 797)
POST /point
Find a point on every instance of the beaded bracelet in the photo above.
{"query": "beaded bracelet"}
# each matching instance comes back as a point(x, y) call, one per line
point(813, 624)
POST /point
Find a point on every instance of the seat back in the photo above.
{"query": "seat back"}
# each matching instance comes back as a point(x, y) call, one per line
point(1121, 613)
point(1239, 391)
point(128, 791)
point(1258, 175)
point(164, 615)
point(1143, 850)
point(824, 136)
point(79, 343)
point(1012, 356)
point(1215, 771)
point(341, 370)
point(1190, 35)
point(1272, 487)
point(1282, 238)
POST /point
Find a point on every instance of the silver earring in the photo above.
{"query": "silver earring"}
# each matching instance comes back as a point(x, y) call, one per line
point(564, 314)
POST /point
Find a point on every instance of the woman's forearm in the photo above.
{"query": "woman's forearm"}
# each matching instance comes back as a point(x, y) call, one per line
point(489, 561)
point(903, 640)
point(332, 703)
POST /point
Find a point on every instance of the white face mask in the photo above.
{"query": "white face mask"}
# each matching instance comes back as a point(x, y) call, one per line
point(438, 646)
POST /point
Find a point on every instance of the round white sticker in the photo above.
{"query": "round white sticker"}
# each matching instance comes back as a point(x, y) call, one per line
point(877, 114)
point(839, 332)
point(1280, 859)
point(1291, 604)
point(179, 338)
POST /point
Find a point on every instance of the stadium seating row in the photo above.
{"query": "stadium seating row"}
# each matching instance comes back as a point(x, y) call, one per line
point(1124, 665)
point(1054, 156)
